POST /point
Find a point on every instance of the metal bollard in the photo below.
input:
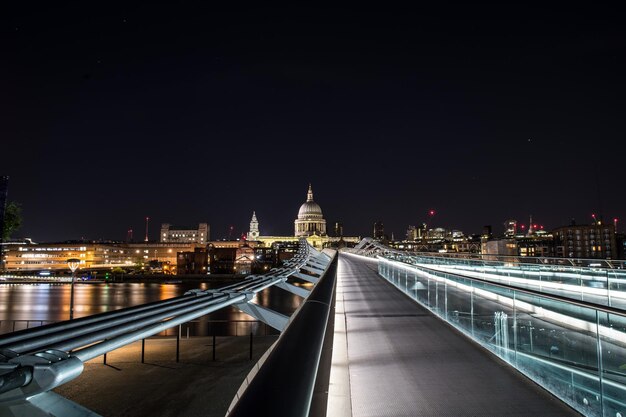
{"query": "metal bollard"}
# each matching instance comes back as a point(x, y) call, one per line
point(213, 348)
point(250, 345)
point(178, 346)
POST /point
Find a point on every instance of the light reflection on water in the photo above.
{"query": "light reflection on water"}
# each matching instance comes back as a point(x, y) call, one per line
point(50, 302)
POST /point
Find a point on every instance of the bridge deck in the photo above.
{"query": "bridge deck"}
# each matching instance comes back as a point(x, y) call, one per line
point(404, 361)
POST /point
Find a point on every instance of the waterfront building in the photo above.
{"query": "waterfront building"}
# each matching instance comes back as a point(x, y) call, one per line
point(192, 262)
point(245, 257)
point(34, 257)
point(54, 256)
point(186, 235)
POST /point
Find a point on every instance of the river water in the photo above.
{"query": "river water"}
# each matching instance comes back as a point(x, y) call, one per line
point(28, 305)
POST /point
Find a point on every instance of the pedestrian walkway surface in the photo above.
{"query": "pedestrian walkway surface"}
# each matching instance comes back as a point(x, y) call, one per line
point(404, 361)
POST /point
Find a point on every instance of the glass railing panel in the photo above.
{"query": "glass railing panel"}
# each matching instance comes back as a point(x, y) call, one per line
point(433, 294)
point(459, 306)
point(493, 318)
point(404, 280)
point(440, 296)
point(557, 348)
point(600, 286)
point(612, 329)
point(420, 289)
point(554, 342)
point(617, 289)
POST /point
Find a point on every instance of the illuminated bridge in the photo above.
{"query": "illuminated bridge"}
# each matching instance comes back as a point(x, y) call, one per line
point(382, 333)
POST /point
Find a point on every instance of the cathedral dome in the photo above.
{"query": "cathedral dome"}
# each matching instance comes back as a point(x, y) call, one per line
point(310, 220)
point(309, 209)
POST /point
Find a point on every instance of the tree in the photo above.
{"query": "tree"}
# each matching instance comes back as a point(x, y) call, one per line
point(117, 272)
point(12, 219)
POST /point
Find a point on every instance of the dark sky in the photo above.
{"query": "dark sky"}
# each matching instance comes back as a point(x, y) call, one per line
point(187, 115)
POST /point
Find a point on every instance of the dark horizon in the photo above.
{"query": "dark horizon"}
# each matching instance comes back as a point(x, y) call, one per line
point(483, 113)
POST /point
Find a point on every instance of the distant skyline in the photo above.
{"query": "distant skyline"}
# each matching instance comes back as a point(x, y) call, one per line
point(238, 230)
point(111, 113)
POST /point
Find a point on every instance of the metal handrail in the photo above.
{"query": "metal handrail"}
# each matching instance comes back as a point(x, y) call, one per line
point(190, 324)
point(284, 385)
point(554, 297)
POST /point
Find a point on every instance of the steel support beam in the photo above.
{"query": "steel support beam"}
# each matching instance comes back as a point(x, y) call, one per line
point(301, 292)
point(267, 316)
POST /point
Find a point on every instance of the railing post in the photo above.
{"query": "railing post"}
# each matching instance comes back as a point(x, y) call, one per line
point(178, 344)
point(600, 364)
point(104, 359)
point(608, 289)
point(143, 350)
point(472, 306)
point(515, 327)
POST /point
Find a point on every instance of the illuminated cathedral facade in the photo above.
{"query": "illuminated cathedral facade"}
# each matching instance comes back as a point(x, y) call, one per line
point(310, 219)
point(309, 224)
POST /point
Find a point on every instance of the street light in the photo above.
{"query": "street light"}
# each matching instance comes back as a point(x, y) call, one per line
point(72, 263)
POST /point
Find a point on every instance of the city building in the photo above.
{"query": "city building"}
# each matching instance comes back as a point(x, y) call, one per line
point(506, 247)
point(171, 235)
point(338, 229)
point(510, 228)
point(621, 245)
point(596, 240)
point(412, 233)
point(539, 243)
point(244, 257)
point(379, 231)
point(194, 262)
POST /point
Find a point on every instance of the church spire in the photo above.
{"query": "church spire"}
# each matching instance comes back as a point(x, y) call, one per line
point(309, 194)
point(253, 234)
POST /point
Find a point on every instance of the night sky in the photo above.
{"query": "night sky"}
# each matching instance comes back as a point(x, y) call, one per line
point(175, 111)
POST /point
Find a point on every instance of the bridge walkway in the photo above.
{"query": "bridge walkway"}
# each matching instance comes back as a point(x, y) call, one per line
point(404, 361)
